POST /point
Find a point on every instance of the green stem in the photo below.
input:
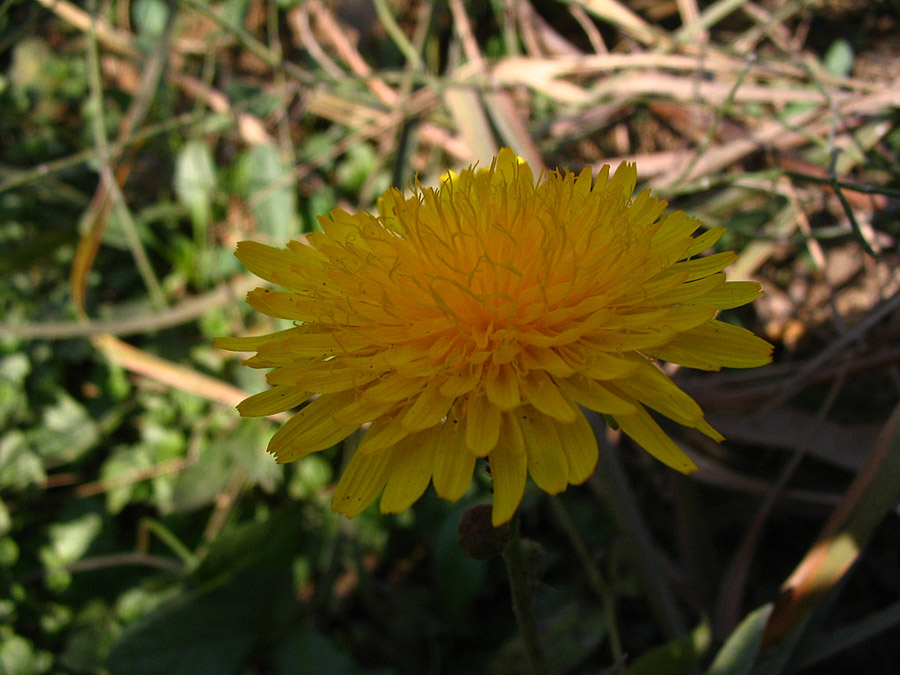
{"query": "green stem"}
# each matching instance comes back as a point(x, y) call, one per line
point(612, 483)
point(594, 577)
point(522, 601)
point(169, 539)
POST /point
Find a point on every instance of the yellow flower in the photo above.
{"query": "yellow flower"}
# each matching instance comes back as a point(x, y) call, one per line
point(474, 319)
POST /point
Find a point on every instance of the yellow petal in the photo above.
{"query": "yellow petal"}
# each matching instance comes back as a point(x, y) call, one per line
point(482, 425)
point(453, 462)
point(457, 385)
point(705, 241)
point(599, 365)
point(312, 428)
point(410, 471)
point(624, 179)
point(543, 394)
point(580, 445)
point(714, 345)
point(383, 433)
point(546, 458)
point(732, 294)
point(648, 434)
point(705, 427)
point(251, 343)
point(502, 387)
point(710, 264)
point(306, 342)
point(428, 409)
point(263, 260)
point(535, 358)
point(654, 389)
point(361, 411)
point(594, 396)
point(677, 319)
point(393, 387)
point(324, 377)
point(274, 400)
point(648, 292)
point(687, 292)
point(621, 341)
point(674, 228)
point(509, 469)
point(362, 481)
point(282, 305)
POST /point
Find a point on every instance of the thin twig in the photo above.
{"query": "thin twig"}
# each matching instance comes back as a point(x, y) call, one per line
point(184, 312)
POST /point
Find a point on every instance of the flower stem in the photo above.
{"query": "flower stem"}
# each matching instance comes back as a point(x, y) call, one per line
point(594, 577)
point(522, 602)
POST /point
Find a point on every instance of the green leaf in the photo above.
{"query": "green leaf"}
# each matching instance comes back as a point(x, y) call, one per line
point(89, 642)
point(871, 495)
point(839, 58)
point(676, 656)
point(309, 477)
point(195, 182)
point(150, 18)
point(20, 466)
point(215, 468)
point(739, 652)
point(210, 631)
point(69, 541)
point(66, 432)
point(356, 167)
point(458, 576)
point(15, 368)
point(117, 472)
point(306, 651)
point(17, 655)
point(268, 186)
point(245, 595)
point(5, 519)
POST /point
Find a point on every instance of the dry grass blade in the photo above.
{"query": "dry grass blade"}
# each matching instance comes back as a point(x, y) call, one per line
point(186, 311)
point(620, 16)
point(169, 373)
point(871, 495)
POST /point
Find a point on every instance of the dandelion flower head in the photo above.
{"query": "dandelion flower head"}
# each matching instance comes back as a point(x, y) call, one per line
point(474, 320)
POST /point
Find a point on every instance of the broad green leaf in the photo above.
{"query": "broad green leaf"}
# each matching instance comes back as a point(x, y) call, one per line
point(740, 650)
point(18, 655)
point(871, 495)
point(150, 18)
point(839, 58)
point(309, 477)
point(195, 183)
point(69, 541)
point(66, 431)
point(356, 166)
point(306, 651)
point(458, 576)
point(676, 656)
point(119, 473)
point(20, 466)
point(242, 595)
point(267, 184)
point(87, 645)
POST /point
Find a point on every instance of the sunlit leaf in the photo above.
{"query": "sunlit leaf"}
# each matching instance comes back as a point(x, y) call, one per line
point(195, 182)
point(738, 654)
point(268, 186)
